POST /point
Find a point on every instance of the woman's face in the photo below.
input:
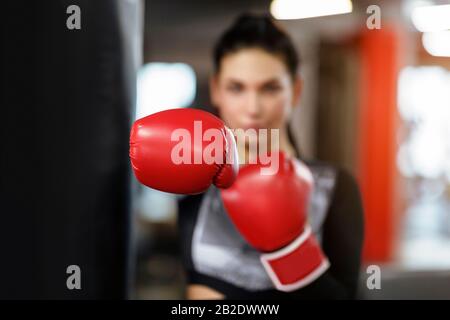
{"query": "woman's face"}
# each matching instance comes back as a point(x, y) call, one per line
point(254, 90)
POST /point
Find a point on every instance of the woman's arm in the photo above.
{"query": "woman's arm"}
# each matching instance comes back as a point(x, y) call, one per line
point(343, 236)
point(198, 291)
point(342, 239)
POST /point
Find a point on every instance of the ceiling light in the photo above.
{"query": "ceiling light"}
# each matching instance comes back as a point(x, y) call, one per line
point(301, 9)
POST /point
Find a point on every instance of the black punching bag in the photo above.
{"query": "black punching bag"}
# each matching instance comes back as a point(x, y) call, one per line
point(67, 101)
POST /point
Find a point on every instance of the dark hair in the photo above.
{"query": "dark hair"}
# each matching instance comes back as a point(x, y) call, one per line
point(257, 31)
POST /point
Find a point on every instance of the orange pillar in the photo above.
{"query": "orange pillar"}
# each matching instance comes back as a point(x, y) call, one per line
point(377, 139)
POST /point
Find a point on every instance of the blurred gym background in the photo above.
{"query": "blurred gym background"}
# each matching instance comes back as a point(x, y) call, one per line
point(376, 101)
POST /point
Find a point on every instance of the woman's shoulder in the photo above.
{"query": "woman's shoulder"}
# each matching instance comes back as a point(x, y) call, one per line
point(343, 180)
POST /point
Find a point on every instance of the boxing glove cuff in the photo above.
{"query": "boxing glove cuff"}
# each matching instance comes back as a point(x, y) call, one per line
point(296, 265)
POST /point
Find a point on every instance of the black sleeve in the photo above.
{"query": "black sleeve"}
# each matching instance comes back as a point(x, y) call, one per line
point(342, 243)
point(188, 208)
point(343, 235)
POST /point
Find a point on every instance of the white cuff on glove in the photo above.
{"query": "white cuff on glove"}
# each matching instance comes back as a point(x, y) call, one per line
point(296, 265)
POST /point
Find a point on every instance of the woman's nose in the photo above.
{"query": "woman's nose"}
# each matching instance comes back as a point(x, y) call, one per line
point(253, 105)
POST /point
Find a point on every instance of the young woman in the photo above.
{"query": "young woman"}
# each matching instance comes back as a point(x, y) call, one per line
point(256, 84)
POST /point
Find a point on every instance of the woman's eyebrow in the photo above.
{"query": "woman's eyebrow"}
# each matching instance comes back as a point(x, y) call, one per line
point(235, 81)
point(271, 81)
point(265, 82)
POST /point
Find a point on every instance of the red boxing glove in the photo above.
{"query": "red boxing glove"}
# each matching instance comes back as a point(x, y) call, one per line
point(183, 151)
point(270, 211)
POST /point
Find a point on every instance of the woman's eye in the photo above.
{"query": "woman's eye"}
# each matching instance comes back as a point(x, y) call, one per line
point(272, 89)
point(234, 88)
